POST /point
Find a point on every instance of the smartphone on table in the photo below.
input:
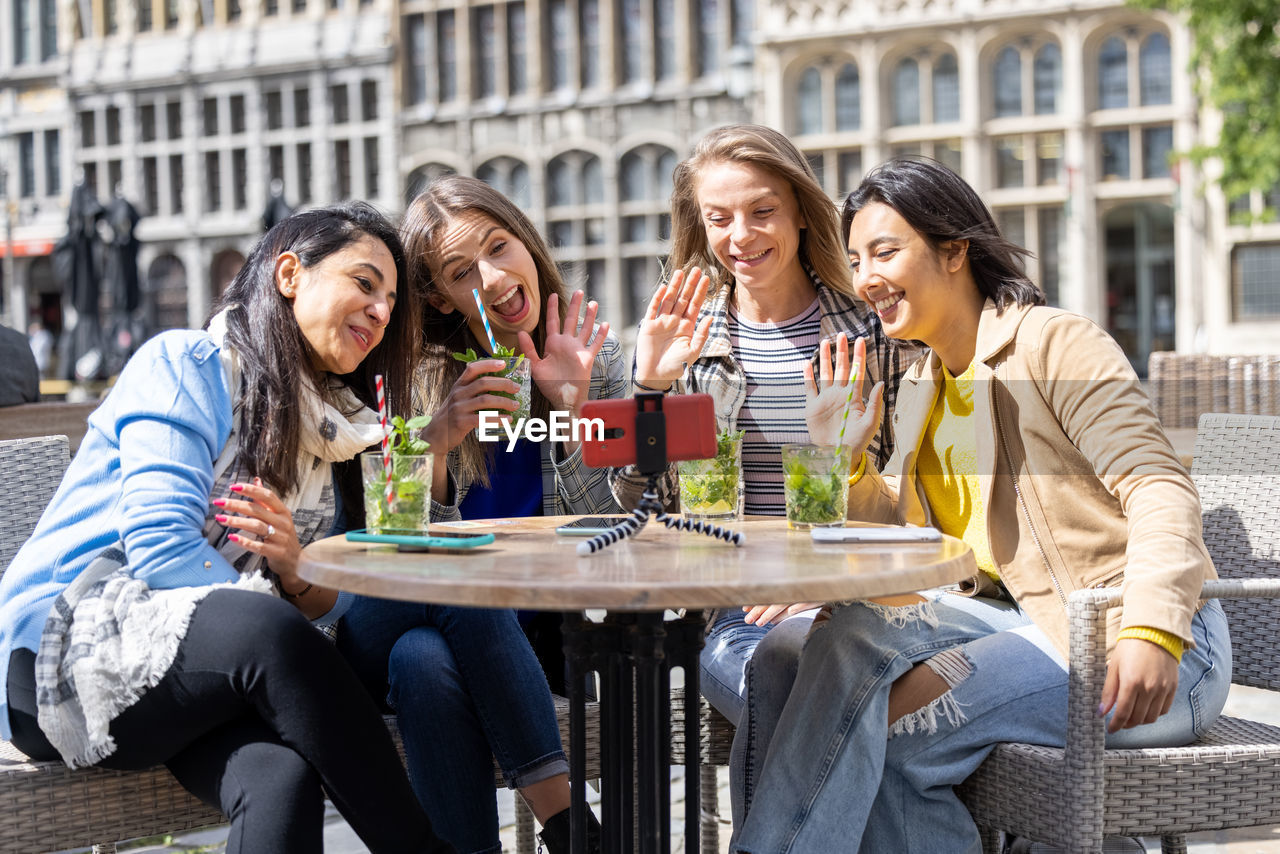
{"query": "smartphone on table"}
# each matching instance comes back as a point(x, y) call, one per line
point(421, 541)
point(589, 526)
point(876, 534)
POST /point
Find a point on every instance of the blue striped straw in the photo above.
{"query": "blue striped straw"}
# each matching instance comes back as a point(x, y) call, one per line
point(493, 345)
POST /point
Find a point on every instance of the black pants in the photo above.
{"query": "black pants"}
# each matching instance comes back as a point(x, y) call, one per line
point(259, 716)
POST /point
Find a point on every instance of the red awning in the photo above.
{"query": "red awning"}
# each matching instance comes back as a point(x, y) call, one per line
point(27, 248)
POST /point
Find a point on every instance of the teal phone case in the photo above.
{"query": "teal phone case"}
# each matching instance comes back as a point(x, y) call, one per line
point(420, 540)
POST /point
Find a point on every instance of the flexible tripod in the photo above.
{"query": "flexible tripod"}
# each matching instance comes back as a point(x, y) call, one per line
point(651, 460)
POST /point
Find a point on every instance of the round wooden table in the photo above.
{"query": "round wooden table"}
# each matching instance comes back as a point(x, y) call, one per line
point(529, 566)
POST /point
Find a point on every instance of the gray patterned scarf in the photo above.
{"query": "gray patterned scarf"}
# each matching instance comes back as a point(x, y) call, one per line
point(109, 637)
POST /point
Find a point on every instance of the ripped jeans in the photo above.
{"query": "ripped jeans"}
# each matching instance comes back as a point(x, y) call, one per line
point(813, 770)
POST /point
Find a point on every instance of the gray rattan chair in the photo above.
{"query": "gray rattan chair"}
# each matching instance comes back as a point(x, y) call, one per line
point(1228, 778)
point(49, 807)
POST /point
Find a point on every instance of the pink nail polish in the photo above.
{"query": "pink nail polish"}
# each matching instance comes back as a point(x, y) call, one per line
point(221, 520)
point(236, 487)
point(233, 538)
point(219, 502)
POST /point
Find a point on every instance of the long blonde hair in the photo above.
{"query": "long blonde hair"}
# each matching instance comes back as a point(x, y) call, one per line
point(821, 248)
point(424, 222)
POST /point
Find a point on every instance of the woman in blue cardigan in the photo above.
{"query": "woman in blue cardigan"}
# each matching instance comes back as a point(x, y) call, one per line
point(156, 614)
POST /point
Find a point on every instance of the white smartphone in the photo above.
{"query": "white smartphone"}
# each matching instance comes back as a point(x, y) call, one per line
point(881, 534)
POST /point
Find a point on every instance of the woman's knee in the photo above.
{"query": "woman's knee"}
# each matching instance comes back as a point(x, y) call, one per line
point(422, 671)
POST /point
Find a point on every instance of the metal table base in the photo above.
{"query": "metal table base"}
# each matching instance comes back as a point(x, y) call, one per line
point(634, 653)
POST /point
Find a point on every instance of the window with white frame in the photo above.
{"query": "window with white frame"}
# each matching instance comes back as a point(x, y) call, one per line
point(510, 177)
point(1026, 78)
point(1255, 280)
point(1135, 68)
point(828, 97)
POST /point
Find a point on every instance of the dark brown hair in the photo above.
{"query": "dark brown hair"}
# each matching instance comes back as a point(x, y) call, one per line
point(273, 352)
point(942, 206)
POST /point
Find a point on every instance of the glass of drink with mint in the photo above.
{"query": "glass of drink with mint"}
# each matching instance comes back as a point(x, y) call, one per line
point(816, 485)
point(713, 488)
point(406, 506)
point(516, 369)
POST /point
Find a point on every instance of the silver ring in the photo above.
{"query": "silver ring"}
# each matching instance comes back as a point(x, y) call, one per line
point(271, 531)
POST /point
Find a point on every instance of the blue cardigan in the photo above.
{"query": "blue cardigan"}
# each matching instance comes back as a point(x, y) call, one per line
point(143, 476)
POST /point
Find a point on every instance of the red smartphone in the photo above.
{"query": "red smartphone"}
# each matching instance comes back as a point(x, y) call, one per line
point(690, 429)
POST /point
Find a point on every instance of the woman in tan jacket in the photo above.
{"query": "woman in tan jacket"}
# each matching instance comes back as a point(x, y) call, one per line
point(1024, 431)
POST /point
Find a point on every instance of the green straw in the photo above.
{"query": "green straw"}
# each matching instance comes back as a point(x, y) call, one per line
point(848, 401)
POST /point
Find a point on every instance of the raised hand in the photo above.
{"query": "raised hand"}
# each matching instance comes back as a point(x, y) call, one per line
point(670, 335)
point(827, 396)
point(563, 372)
point(474, 390)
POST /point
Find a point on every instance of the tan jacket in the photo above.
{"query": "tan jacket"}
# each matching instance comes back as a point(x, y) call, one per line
point(1081, 486)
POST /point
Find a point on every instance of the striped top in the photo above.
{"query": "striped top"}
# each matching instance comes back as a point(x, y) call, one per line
point(772, 356)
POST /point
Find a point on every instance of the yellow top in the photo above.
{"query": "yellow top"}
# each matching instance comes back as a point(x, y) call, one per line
point(948, 472)
point(948, 468)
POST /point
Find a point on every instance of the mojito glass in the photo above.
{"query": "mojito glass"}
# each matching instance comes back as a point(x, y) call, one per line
point(410, 506)
point(816, 485)
point(713, 488)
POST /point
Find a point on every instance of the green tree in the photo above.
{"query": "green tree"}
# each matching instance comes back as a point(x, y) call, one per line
point(1235, 61)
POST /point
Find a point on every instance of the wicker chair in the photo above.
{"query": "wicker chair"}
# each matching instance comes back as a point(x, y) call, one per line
point(49, 807)
point(1228, 778)
point(715, 738)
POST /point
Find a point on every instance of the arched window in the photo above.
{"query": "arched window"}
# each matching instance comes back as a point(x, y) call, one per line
point(422, 176)
point(1155, 71)
point(592, 181)
point(634, 175)
point(223, 269)
point(848, 98)
point(946, 89)
point(167, 284)
point(1113, 75)
point(1047, 79)
point(666, 167)
point(1007, 82)
point(509, 177)
point(559, 183)
point(809, 102)
point(906, 93)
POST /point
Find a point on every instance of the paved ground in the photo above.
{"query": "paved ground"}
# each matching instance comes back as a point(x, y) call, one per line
point(1244, 702)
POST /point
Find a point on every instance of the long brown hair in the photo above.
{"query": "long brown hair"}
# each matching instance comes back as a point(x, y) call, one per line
point(424, 222)
point(273, 352)
point(756, 145)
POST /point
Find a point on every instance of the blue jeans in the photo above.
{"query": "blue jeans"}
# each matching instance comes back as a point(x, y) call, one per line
point(731, 643)
point(817, 773)
point(465, 687)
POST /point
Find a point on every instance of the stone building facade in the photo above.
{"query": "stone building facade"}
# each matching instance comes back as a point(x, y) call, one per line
point(1063, 114)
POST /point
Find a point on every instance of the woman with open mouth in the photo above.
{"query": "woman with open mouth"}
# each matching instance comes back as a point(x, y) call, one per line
point(466, 683)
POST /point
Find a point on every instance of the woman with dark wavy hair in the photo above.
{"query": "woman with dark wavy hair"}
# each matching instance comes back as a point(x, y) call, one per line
point(1024, 432)
point(156, 614)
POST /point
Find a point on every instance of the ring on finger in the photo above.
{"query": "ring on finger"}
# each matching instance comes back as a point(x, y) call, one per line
point(271, 531)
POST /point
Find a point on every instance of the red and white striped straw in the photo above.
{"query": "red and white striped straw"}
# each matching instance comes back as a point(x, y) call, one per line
point(386, 436)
